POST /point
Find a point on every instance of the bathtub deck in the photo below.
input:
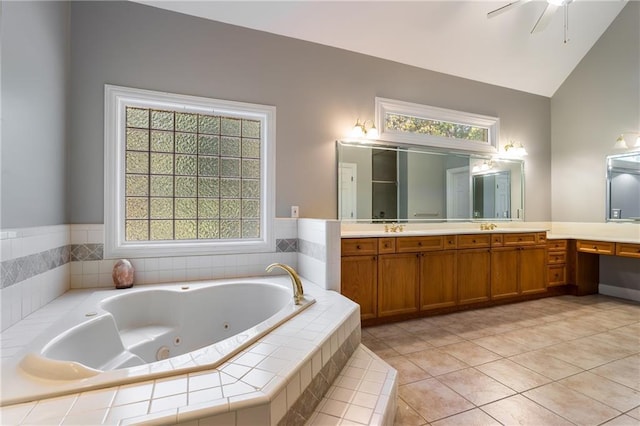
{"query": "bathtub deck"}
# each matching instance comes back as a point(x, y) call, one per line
point(261, 385)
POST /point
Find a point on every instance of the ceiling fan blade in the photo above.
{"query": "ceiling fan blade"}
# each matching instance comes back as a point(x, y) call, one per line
point(506, 7)
point(545, 18)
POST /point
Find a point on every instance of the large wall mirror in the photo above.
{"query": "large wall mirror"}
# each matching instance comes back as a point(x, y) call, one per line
point(389, 183)
point(623, 187)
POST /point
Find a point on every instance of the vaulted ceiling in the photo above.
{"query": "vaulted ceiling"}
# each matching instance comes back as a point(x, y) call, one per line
point(452, 37)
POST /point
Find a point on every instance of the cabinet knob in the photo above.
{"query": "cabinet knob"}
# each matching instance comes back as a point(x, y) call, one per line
point(358, 247)
point(451, 242)
point(595, 247)
point(473, 241)
point(420, 243)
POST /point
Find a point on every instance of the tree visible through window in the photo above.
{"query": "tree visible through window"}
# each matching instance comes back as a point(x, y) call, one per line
point(405, 123)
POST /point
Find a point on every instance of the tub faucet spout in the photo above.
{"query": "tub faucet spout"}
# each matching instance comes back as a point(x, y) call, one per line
point(298, 292)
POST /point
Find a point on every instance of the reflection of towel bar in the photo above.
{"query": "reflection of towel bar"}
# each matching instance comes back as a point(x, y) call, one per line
point(426, 214)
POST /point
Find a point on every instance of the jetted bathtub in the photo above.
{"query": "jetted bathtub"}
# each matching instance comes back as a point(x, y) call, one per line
point(122, 336)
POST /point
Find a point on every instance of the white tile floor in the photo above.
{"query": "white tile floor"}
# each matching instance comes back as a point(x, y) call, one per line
point(564, 360)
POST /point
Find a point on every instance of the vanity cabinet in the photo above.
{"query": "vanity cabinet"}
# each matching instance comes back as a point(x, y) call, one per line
point(557, 262)
point(518, 265)
point(398, 281)
point(438, 284)
point(504, 276)
point(474, 278)
point(359, 271)
point(395, 277)
point(532, 270)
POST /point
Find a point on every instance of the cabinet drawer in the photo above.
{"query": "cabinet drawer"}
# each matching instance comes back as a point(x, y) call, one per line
point(557, 244)
point(628, 250)
point(415, 244)
point(359, 246)
point(386, 245)
point(497, 240)
point(520, 239)
point(450, 241)
point(474, 241)
point(557, 275)
point(556, 257)
point(599, 247)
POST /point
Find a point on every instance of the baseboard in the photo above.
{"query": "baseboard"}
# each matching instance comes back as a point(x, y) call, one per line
point(621, 292)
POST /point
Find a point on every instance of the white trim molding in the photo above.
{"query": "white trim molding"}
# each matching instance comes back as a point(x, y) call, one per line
point(385, 106)
point(116, 100)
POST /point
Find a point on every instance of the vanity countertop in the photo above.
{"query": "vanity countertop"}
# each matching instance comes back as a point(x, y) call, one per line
point(434, 231)
point(611, 239)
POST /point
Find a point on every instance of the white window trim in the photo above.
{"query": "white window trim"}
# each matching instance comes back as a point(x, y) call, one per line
point(115, 245)
point(385, 106)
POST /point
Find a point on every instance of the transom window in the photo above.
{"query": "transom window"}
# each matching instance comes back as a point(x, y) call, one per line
point(405, 122)
point(187, 174)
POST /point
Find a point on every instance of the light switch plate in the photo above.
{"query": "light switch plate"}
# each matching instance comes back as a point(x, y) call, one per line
point(294, 211)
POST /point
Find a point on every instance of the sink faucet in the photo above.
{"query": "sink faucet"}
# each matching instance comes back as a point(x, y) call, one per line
point(393, 228)
point(488, 226)
point(298, 292)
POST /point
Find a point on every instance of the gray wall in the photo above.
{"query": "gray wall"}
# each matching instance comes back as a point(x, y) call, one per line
point(319, 93)
point(598, 101)
point(35, 54)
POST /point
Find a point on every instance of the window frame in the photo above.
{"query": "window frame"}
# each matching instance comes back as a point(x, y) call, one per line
point(116, 99)
point(385, 106)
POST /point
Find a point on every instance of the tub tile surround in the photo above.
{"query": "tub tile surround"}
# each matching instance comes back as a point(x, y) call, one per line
point(35, 269)
point(319, 251)
point(92, 272)
point(297, 361)
point(41, 263)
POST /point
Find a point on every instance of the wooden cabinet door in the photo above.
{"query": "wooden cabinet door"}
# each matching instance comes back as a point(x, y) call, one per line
point(473, 275)
point(398, 278)
point(504, 272)
point(359, 283)
point(438, 280)
point(533, 270)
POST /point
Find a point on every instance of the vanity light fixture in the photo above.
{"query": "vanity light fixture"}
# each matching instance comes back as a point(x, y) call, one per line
point(515, 149)
point(621, 143)
point(360, 130)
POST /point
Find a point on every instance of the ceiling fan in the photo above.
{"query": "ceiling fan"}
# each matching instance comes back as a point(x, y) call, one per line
point(544, 19)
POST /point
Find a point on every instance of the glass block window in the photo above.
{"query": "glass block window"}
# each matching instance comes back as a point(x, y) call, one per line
point(405, 122)
point(185, 174)
point(186, 179)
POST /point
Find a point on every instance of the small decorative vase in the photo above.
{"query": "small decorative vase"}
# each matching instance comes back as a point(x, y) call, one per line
point(123, 274)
